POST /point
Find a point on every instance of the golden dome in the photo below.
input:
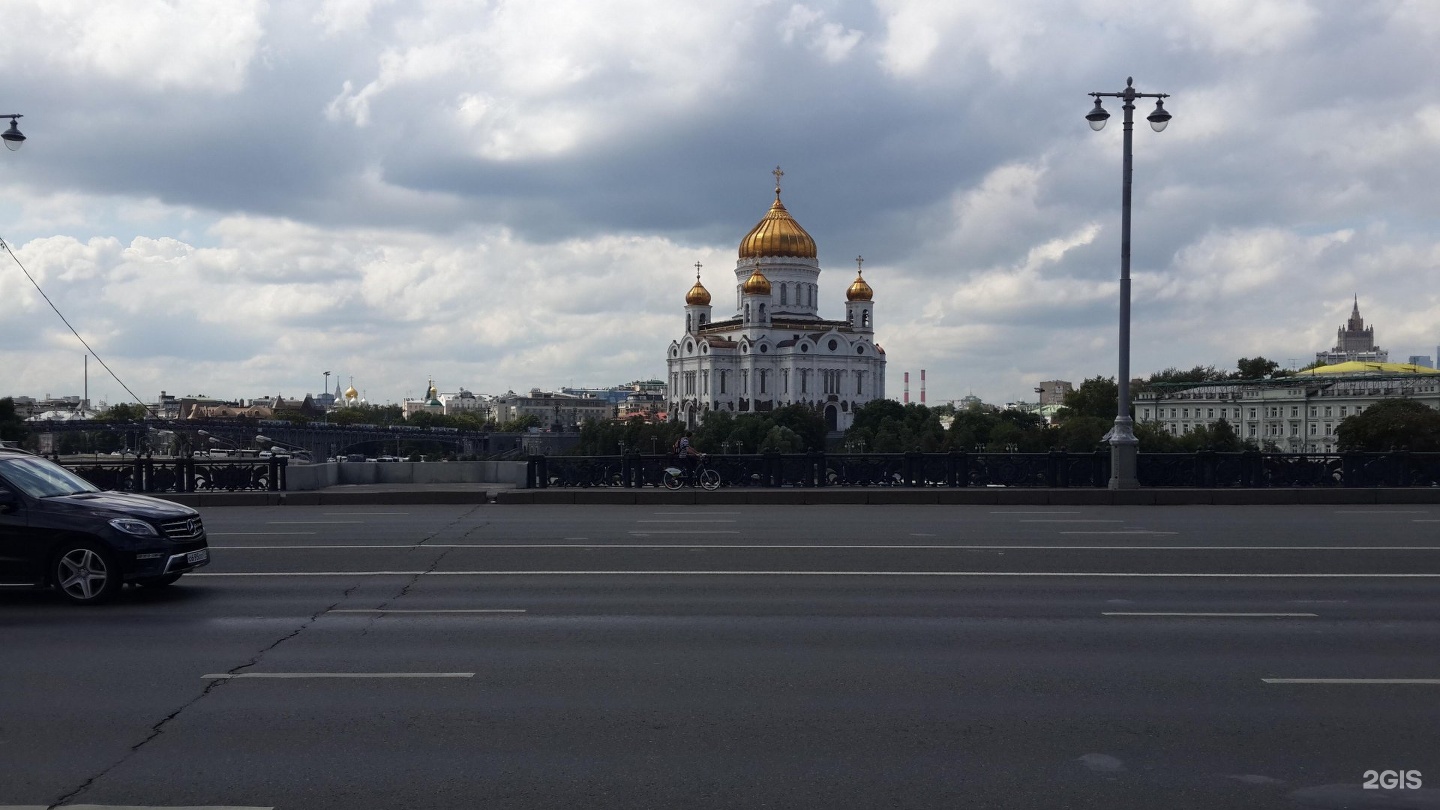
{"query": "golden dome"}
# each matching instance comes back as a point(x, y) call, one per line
point(859, 290)
point(756, 284)
point(698, 295)
point(777, 233)
point(351, 393)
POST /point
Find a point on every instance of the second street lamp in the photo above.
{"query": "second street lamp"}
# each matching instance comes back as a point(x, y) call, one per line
point(1124, 447)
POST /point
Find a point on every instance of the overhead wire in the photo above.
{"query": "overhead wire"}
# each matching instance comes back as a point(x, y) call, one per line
point(66, 321)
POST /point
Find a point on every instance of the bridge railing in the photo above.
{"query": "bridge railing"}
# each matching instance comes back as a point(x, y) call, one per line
point(148, 474)
point(1059, 469)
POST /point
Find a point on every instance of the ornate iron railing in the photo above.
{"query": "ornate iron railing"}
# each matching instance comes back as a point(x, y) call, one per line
point(1057, 469)
point(184, 475)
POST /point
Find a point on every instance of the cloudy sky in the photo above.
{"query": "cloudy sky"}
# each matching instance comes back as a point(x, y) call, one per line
point(231, 198)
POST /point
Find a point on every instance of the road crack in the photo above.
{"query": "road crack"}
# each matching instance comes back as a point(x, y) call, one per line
point(159, 728)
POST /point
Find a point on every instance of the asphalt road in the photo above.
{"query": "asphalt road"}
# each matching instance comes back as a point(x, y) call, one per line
point(801, 656)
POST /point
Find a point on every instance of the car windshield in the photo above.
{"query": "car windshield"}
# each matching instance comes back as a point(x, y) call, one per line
point(39, 478)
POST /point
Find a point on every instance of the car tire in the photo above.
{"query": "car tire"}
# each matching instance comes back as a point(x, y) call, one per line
point(158, 582)
point(85, 573)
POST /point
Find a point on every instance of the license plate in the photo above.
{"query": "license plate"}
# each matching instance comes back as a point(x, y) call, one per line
point(198, 556)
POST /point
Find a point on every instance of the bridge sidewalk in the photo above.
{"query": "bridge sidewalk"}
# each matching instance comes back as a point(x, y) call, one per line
point(393, 494)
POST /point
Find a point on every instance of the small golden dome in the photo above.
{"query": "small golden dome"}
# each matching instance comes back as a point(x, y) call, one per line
point(351, 393)
point(859, 290)
point(777, 233)
point(698, 295)
point(756, 284)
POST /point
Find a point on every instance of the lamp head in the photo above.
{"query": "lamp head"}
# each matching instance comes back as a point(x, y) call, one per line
point(1160, 118)
point(1097, 117)
point(13, 137)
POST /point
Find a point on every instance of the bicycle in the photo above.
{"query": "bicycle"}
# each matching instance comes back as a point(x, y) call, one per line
point(675, 477)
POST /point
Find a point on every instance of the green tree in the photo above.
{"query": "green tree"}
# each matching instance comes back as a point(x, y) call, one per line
point(521, 423)
point(1257, 368)
point(123, 413)
point(1392, 424)
point(1083, 434)
point(12, 427)
point(1097, 396)
point(886, 426)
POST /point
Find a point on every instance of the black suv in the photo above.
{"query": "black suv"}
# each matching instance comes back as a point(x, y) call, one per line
point(57, 529)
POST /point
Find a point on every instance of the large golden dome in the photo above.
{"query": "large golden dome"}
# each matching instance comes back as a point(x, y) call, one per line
point(756, 284)
point(777, 233)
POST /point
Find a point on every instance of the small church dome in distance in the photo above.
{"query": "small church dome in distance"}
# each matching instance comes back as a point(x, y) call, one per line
point(756, 284)
point(698, 295)
point(859, 289)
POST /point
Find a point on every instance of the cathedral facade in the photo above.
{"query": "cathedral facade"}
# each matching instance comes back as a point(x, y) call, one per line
point(776, 349)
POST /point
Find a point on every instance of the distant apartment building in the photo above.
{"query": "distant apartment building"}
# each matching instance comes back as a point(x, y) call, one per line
point(552, 408)
point(1422, 360)
point(1052, 392)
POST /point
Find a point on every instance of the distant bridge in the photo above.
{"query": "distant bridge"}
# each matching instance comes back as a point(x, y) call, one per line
point(321, 440)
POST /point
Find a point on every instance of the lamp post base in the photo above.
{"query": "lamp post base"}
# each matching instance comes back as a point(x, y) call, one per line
point(1124, 455)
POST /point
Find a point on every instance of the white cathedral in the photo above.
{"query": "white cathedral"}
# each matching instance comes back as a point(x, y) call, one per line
point(776, 350)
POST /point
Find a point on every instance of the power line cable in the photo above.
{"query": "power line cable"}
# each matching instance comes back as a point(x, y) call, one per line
point(97, 357)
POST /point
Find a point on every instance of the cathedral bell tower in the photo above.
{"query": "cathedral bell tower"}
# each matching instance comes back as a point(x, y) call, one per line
point(859, 309)
point(697, 306)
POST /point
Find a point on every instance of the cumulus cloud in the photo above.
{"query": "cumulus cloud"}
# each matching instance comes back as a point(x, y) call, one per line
point(511, 194)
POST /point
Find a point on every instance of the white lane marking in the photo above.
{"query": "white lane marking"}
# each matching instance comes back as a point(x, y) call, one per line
point(129, 807)
point(362, 514)
point(252, 534)
point(680, 531)
point(1382, 511)
point(1050, 574)
point(688, 514)
point(920, 534)
point(684, 521)
point(1424, 521)
point(1044, 512)
point(577, 538)
point(1421, 681)
point(393, 610)
point(831, 547)
point(285, 675)
point(1218, 615)
point(1070, 520)
point(314, 522)
point(1124, 531)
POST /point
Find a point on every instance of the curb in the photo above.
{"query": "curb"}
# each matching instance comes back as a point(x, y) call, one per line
point(879, 496)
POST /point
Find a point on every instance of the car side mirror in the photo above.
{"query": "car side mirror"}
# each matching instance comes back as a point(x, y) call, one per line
point(9, 502)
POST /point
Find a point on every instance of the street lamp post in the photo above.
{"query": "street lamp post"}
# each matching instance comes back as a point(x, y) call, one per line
point(1123, 444)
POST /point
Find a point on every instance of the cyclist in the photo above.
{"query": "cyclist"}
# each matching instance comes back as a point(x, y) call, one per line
point(686, 454)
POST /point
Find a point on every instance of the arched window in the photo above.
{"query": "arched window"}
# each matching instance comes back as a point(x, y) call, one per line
point(762, 313)
point(688, 327)
point(784, 294)
point(865, 318)
point(702, 319)
point(747, 313)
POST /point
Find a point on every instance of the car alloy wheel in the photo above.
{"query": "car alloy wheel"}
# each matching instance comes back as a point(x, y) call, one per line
point(86, 575)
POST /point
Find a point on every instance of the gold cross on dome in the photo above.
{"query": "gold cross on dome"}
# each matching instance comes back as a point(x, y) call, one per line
point(697, 271)
point(859, 264)
point(778, 174)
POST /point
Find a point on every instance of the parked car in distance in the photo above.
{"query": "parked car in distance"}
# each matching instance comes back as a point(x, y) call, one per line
point(58, 530)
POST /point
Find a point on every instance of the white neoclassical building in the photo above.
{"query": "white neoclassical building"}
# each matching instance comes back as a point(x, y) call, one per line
point(776, 349)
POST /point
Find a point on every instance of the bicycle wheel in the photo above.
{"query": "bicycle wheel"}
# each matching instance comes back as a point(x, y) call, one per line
point(710, 480)
point(671, 480)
